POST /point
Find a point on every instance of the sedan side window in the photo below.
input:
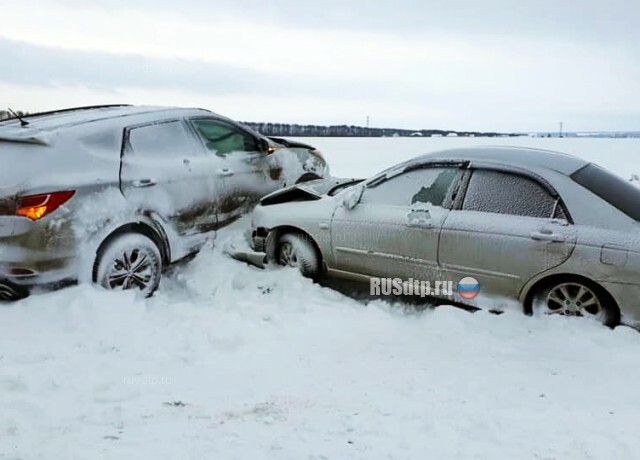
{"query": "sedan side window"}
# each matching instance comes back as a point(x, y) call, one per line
point(223, 139)
point(503, 193)
point(430, 185)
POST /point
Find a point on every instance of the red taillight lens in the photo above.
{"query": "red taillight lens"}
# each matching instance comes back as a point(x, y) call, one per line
point(37, 206)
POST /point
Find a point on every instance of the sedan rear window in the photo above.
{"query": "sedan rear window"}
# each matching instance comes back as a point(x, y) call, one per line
point(503, 193)
point(613, 189)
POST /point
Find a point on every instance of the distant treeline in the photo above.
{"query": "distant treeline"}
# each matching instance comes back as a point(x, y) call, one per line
point(294, 130)
point(4, 114)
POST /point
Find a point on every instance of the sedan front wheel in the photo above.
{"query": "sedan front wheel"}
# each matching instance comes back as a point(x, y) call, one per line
point(295, 250)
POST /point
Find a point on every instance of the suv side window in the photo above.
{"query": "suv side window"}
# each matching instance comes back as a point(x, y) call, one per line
point(429, 185)
point(503, 193)
point(223, 138)
point(158, 141)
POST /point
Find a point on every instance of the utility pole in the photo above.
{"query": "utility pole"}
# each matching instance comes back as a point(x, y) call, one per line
point(560, 132)
point(367, 121)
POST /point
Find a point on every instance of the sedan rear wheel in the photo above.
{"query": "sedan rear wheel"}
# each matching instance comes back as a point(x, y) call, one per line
point(577, 298)
point(573, 299)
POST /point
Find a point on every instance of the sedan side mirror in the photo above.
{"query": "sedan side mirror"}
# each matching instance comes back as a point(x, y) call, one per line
point(353, 197)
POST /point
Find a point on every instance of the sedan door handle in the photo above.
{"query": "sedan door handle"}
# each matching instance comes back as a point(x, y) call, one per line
point(226, 172)
point(420, 218)
point(552, 237)
point(142, 183)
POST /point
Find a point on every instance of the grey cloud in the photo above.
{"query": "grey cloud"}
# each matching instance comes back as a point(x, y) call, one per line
point(29, 64)
point(596, 21)
point(38, 65)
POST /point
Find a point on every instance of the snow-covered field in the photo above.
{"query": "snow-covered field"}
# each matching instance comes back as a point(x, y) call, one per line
point(228, 361)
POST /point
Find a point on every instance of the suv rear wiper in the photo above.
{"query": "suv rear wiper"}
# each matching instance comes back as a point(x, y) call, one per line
point(23, 122)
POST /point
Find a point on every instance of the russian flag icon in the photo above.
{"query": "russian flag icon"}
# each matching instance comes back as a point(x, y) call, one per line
point(468, 288)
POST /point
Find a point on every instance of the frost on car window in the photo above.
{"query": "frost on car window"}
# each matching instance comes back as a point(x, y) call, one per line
point(161, 140)
point(502, 193)
point(223, 139)
point(417, 186)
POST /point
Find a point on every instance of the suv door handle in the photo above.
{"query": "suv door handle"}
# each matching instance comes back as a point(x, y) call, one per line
point(226, 172)
point(548, 236)
point(142, 183)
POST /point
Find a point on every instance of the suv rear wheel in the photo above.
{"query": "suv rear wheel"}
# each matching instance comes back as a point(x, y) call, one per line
point(129, 261)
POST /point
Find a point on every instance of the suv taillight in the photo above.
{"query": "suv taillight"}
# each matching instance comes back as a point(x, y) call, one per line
point(37, 206)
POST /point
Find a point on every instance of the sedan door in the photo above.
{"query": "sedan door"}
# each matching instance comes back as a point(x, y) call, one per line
point(508, 228)
point(394, 230)
point(163, 171)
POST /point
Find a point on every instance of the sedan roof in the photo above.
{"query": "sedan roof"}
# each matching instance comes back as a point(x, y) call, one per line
point(522, 157)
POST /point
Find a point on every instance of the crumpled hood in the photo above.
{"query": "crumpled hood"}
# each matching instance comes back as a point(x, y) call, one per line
point(294, 193)
point(307, 191)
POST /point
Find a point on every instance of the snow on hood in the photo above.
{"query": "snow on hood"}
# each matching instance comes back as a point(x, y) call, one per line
point(307, 191)
point(293, 193)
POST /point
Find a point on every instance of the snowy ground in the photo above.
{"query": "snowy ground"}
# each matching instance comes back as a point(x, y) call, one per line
point(228, 361)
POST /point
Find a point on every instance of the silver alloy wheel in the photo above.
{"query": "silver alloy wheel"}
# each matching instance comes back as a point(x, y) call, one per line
point(573, 299)
point(133, 268)
point(287, 256)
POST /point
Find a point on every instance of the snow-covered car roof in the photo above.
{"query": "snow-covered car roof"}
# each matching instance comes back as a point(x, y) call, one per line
point(52, 121)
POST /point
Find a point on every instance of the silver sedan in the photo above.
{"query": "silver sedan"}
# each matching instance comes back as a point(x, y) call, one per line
point(547, 230)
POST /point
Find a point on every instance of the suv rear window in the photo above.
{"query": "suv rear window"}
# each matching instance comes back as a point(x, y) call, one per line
point(614, 190)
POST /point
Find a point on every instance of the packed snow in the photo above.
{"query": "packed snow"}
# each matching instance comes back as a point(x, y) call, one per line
point(230, 361)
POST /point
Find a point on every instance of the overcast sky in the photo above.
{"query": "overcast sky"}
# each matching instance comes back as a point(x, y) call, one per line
point(518, 65)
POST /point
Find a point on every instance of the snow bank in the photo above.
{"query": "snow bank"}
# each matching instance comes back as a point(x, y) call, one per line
point(228, 361)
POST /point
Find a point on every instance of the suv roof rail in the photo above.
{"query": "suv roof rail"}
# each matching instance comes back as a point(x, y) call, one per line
point(72, 109)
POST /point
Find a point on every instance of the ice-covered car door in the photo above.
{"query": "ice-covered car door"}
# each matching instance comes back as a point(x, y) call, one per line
point(242, 168)
point(393, 231)
point(164, 171)
point(509, 228)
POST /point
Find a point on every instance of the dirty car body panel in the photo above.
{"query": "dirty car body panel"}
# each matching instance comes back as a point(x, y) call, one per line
point(145, 169)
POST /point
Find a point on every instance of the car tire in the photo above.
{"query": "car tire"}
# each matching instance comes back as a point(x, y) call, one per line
point(295, 250)
point(129, 261)
point(11, 293)
point(576, 297)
